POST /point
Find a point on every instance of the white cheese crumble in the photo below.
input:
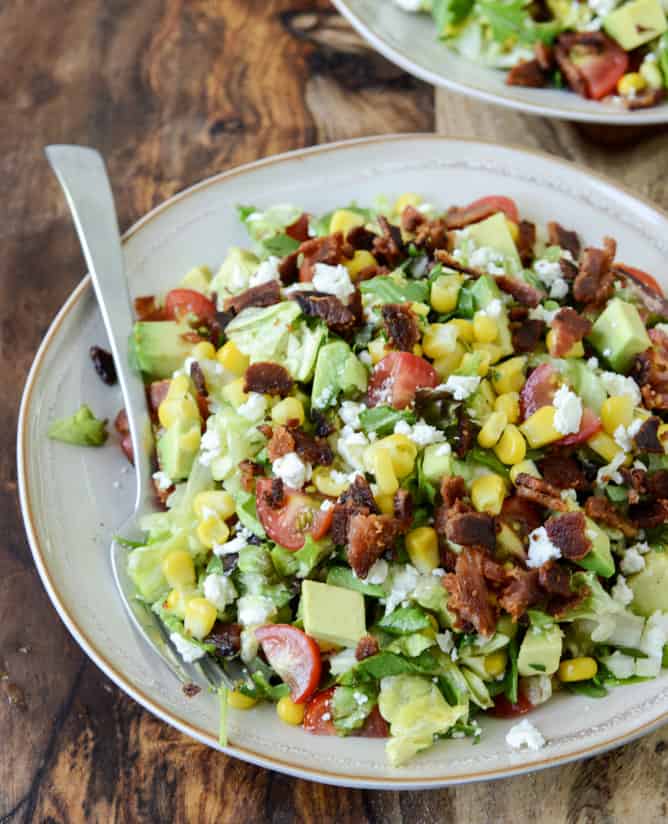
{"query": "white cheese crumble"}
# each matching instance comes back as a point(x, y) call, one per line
point(538, 689)
point(378, 572)
point(541, 313)
point(351, 446)
point(188, 651)
point(249, 645)
point(602, 8)
point(291, 470)
point(632, 561)
point(162, 480)
point(421, 433)
point(525, 734)
point(360, 698)
point(334, 280)
point(568, 412)
point(445, 641)
point(592, 363)
point(443, 450)
point(234, 545)
point(643, 547)
point(541, 548)
point(219, 590)
point(349, 412)
point(615, 384)
point(326, 505)
point(460, 386)
point(494, 309)
point(487, 259)
point(253, 610)
point(342, 661)
point(655, 635)
point(610, 472)
point(266, 271)
point(403, 583)
point(622, 592)
point(210, 446)
point(254, 408)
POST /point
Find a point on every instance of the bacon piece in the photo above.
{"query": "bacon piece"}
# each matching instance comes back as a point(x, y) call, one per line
point(371, 272)
point(588, 45)
point(226, 638)
point(322, 427)
point(527, 73)
point(248, 471)
point(458, 218)
point(366, 647)
point(568, 533)
point(401, 326)
point(525, 241)
point(522, 592)
point(649, 514)
point(330, 249)
point(389, 247)
point(453, 489)
point(653, 301)
point(311, 449)
point(358, 498)
point(412, 218)
point(569, 270)
point(148, 308)
point(338, 317)
point(568, 329)
point(402, 505)
point(368, 537)
point(601, 509)
point(465, 436)
point(636, 480)
point(647, 437)
point(594, 283)
point(657, 484)
point(268, 379)
point(645, 100)
point(156, 393)
point(469, 595)
point(288, 269)
point(540, 491)
point(555, 579)
point(280, 443)
point(517, 313)
point(559, 607)
point(650, 371)
point(523, 293)
point(266, 294)
point(558, 236)
point(432, 235)
point(299, 229)
point(451, 262)
point(526, 334)
point(563, 472)
point(198, 378)
point(471, 529)
point(544, 55)
point(521, 514)
point(360, 238)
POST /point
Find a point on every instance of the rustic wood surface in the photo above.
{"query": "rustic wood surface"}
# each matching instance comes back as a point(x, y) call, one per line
point(172, 91)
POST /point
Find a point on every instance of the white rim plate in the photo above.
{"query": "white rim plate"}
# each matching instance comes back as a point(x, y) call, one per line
point(409, 41)
point(73, 498)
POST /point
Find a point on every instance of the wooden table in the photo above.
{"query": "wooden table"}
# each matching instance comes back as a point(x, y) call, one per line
point(171, 92)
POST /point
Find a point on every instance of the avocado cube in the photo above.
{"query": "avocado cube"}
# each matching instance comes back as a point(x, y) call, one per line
point(636, 23)
point(540, 651)
point(198, 278)
point(158, 348)
point(177, 448)
point(650, 585)
point(494, 233)
point(436, 462)
point(333, 614)
point(619, 334)
point(599, 558)
point(484, 291)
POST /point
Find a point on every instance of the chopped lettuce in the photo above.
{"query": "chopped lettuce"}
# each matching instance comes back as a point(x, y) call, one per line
point(302, 562)
point(350, 706)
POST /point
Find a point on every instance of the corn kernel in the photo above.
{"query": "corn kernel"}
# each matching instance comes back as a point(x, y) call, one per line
point(179, 387)
point(487, 493)
point(446, 364)
point(200, 617)
point(576, 350)
point(343, 220)
point(510, 404)
point(440, 339)
point(177, 409)
point(177, 601)
point(420, 309)
point(495, 663)
point(662, 435)
point(189, 440)
point(216, 501)
point(232, 359)
point(289, 409)
point(326, 484)
point(179, 569)
point(509, 375)
point(204, 350)
point(524, 467)
point(577, 669)
point(289, 712)
point(616, 411)
point(493, 351)
point(234, 393)
point(445, 293)
point(377, 349)
point(359, 261)
point(630, 83)
point(239, 701)
point(492, 429)
point(511, 447)
point(422, 548)
point(385, 503)
point(514, 229)
point(603, 445)
point(539, 429)
point(485, 329)
point(464, 329)
point(403, 453)
point(475, 360)
point(651, 74)
point(382, 468)
point(211, 530)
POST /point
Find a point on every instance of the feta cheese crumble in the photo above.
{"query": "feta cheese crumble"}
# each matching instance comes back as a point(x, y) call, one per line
point(219, 590)
point(632, 561)
point(610, 472)
point(334, 280)
point(210, 446)
point(188, 651)
point(541, 548)
point(291, 470)
point(622, 592)
point(568, 413)
point(525, 734)
point(253, 610)
point(420, 433)
point(488, 259)
point(403, 583)
point(162, 480)
point(254, 408)
point(378, 572)
point(461, 386)
point(541, 313)
point(266, 271)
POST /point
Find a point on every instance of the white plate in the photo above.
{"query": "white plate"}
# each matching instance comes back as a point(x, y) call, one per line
point(73, 498)
point(410, 41)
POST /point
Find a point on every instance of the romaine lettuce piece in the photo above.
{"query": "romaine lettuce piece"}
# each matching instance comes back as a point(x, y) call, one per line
point(234, 273)
point(302, 562)
point(350, 706)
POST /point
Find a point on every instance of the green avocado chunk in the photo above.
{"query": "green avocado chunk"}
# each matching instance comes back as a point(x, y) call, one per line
point(177, 448)
point(650, 585)
point(540, 651)
point(333, 614)
point(158, 347)
point(235, 272)
point(198, 278)
point(636, 23)
point(82, 429)
point(599, 558)
point(494, 232)
point(619, 334)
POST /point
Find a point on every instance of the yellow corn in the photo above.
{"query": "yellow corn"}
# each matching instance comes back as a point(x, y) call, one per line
point(576, 350)
point(417, 350)
point(402, 451)
point(359, 261)
point(382, 468)
point(177, 601)
point(509, 403)
point(514, 229)
point(469, 360)
point(488, 492)
point(445, 292)
point(234, 393)
point(420, 309)
point(577, 669)
point(232, 359)
point(464, 329)
point(440, 339)
point(616, 411)
point(239, 701)
point(446, 364)
point(630, 83)
point(179, 387)
point(492, 429)
point(603, 445)
point(377, 350)
point(343, 220)
point(323, 482)
point(493, 351)
point(509, 375)
point(189, 441)
point(211, 530)
point(289, 409)
point(485, 329)
point(422, 548)
point(179, 569)
point(385, 503)
point(204, 351)
point(200, 617)
point(662, 435)
point(217, 501)
point(524, 467)
point(289, 712)
point(539, 428)
point(511, 447)
point(495, 663)
point(177, 409)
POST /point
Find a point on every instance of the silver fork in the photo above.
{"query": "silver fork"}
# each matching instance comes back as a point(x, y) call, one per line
point(83, 177)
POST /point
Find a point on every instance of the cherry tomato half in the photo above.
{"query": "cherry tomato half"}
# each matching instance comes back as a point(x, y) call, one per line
point(504, 709)
point(299, 514)
point(589, 425)
point(181, 303)
point(294, 657)
point(496, 203)
point(598, 61)
point(397, 377)
point(539, 389)
point(318, 718)
point(641, 277)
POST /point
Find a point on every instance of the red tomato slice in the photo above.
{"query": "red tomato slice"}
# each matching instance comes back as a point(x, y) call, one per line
point(504, 709)
point(397, 377)
point(317, 708)
point(294, 657)
point(300, 514)
point(599, 61)
point(497, 203)
point(538, 390)
point(641, 277)
point(183, 302)
point(375, 726)
point(589, 425)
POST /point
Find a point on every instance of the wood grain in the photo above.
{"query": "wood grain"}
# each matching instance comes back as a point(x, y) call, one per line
point(171, 92)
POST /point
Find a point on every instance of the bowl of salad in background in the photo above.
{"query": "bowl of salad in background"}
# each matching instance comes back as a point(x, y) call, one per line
point(311, 598)
point(599, 62)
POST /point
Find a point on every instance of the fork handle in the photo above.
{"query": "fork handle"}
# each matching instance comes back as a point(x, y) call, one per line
point(83, 177)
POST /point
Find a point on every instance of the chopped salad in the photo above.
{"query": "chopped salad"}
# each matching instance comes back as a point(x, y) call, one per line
point(600, 49)
point(413, 468)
